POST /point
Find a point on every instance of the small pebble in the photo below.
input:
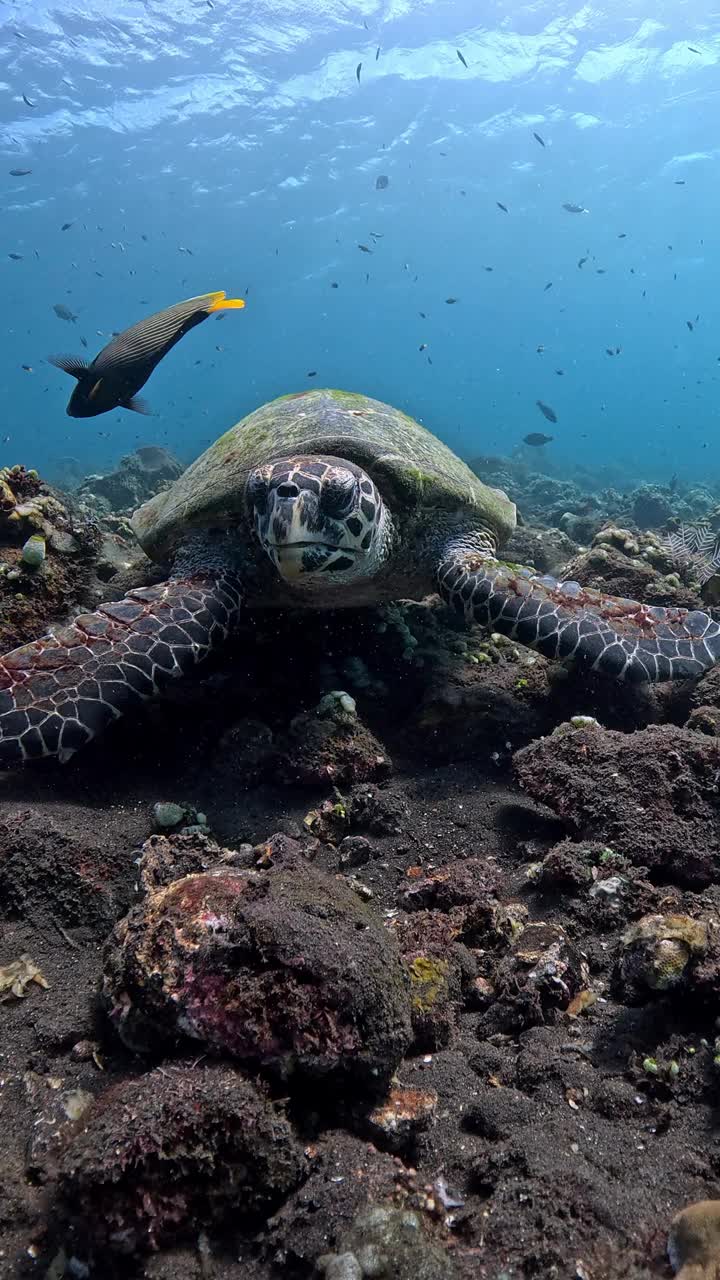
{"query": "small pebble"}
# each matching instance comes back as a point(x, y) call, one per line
point(167, 814)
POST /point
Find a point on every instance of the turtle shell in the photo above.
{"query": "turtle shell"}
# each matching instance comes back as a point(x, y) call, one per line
point(412, 468)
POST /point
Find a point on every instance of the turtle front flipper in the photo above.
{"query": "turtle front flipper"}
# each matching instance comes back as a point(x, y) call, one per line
point(613, 636)
point(59, 692)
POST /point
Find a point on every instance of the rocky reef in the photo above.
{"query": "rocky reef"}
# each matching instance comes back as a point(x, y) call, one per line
point(390, 951)
point(138, 476)
point(48, 554)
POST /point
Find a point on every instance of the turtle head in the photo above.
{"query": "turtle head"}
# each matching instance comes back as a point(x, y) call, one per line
point(319, 519)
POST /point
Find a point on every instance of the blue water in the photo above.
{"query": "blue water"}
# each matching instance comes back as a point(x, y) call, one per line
point(239, 131)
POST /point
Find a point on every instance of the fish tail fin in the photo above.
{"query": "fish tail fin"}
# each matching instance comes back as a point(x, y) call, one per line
point(74, 365)
point(221, 303)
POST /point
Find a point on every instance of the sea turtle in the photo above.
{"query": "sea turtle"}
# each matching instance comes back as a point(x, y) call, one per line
point(318, 500)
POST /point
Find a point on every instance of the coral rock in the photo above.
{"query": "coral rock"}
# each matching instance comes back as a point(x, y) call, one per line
point(169, 1153)
point(283, 969)
point(536, 979)
point(652, 795)
point(694, 1241)
point(386, 1241)
point(139, 476)
point(395, 1124)
point(330, 744)
point(657, 952)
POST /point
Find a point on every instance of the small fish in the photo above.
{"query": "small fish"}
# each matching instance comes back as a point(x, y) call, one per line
point(27, 367)
point(16, 257)
point(312, 373)
point(546, 411)
point(537, 138)
point(575, 208)
point(364, 249)
point(539, 349)
point(502, 206)
point(66, 226)
point(549, 285)
point(690, 325)
point(423, 346)
point(461, 59)
point(488, 268)
point(358, 69)
point(382, 182)
point(64, 313)
point(693, 49)
point(679, 182)
point(334, 284)
point(536, 438)
point(378, 235)
point(20, 173)
point(83, 342)
point(450, 301)
point(560, 373)
point(599, 271)
point(112, 379)
point(581, 262)
point(622, 235)
point(27, 101)
point(610, 351)
point(377, 53)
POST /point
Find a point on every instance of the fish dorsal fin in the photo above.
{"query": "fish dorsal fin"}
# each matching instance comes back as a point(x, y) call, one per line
point(74, 365)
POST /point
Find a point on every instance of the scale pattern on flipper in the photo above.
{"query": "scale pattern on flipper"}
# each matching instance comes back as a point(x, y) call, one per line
point(58, 692)
point(562, 620)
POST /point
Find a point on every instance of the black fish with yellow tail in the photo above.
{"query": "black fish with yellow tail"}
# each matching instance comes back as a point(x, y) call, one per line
point(118, 372)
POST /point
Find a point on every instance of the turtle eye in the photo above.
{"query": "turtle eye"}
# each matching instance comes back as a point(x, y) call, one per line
point(337, 494)
point(257, 493)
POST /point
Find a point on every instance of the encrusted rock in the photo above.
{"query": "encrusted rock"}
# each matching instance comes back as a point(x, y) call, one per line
point(536, 979)
point(162, 1156)
point(694, 1241)
point(396, 1123)
point(705, 720)
point(657, 953)
point(651, 795)
point(139, 476)
point(466, 890)
point(567, 868)
point(163, 859)
point(386, 1241)
point(283, 969)
point(331, 744)
point(48, 553)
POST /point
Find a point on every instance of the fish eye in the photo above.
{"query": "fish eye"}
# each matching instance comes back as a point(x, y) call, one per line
point(337, 494)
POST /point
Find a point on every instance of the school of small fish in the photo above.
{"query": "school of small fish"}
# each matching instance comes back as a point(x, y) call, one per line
point(101, 387)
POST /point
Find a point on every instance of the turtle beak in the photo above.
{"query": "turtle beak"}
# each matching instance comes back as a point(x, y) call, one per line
point(290, 559)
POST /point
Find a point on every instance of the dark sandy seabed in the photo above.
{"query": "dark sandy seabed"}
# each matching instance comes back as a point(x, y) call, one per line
point(556, 1103)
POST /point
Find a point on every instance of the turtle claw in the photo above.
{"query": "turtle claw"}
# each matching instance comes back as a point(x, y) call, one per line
point(613, 636)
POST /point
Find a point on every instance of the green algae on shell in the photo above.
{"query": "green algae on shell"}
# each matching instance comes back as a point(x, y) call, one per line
point(413, 469)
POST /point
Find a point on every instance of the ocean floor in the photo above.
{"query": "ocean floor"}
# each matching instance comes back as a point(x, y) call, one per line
point(376, 949)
